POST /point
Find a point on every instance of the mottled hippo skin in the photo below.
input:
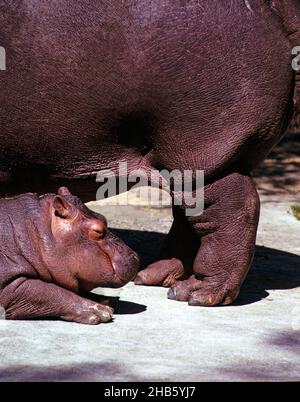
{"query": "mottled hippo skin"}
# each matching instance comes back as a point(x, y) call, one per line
point(51, 248)
point(164, 84)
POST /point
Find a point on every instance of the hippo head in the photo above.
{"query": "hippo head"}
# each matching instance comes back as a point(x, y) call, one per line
point(85, 247)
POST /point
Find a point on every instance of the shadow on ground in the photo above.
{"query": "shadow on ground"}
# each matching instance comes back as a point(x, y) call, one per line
point(245, 370)
point(120, 306)
point(288, 340)
point(271, 269)
point(73, 372)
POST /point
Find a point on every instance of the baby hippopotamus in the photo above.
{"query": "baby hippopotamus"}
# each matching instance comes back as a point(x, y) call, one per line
point(51, 248)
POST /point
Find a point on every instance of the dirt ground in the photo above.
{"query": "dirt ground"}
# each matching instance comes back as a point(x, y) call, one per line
point(278, 178)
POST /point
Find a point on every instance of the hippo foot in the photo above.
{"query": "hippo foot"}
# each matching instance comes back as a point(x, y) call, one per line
point(206, 292)
point(161, 273)
point(92, 314)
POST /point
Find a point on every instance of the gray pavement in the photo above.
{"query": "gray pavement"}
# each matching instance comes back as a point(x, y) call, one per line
point(156, 339)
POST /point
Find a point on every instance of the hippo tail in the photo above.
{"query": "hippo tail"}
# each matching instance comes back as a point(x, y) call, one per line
point(289, 12)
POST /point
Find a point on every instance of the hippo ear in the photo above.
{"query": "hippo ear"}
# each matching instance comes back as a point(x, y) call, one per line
point(62, 208)
point(63, 191)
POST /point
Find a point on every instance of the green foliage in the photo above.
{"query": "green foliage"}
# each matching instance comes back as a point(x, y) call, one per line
point(295, 208)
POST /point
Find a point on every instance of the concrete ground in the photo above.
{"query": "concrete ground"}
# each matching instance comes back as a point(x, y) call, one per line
point(156, 339)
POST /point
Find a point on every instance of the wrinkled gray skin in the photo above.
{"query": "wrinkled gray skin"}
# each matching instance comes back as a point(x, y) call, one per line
point(173, 84)
point(51, 248)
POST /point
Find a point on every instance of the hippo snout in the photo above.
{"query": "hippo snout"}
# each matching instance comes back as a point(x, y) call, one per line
point(125, 262)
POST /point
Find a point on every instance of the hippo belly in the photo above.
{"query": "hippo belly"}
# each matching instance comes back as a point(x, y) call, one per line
point(157, 84)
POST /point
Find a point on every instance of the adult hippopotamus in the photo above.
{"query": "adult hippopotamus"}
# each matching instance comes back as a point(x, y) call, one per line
point(162, 84)
point(51, 248)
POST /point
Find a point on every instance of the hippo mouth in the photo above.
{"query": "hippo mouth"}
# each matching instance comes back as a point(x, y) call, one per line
point(124, 261)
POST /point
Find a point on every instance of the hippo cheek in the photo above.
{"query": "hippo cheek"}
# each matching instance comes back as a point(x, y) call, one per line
point(97, 272)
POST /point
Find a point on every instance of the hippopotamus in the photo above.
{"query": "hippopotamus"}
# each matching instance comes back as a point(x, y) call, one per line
point(53, 248)
point(161, 84)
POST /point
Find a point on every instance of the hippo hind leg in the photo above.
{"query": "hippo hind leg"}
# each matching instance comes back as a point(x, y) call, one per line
point(227, 228)
point(216, 247)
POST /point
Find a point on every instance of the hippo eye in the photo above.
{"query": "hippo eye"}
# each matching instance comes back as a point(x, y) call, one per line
point(100, 233)
point(97, 234)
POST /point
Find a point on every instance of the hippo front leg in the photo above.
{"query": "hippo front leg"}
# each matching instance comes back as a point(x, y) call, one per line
point(176, 255)
point(161, 273)
point(227, 228)
point(32, 298)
